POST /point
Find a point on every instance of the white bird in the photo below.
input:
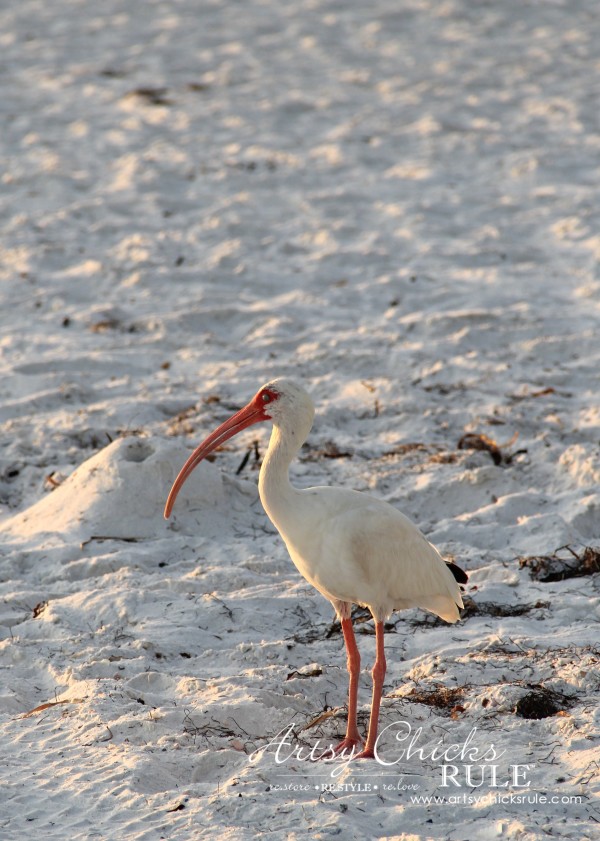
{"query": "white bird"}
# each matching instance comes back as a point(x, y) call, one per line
point(353, 548)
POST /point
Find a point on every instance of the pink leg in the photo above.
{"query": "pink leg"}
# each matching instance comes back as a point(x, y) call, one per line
point(378, 678)
point(352, 737)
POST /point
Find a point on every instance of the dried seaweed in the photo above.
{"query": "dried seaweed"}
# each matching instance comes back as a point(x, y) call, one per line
point(252, 449)
point(541, 702)
point(53, 480)
point(443, 698)
point(404, 449)
point(181, 424)
point(315, 633)
point(473, 608)
point(50, 704)
point(307, 672)
point(39, 609)
point(152, 96)
point(431, 453)
point(329, 449)
point(553, 567)
point(319, 719)
point(215, 728)
point(477, 608)
point(479, 441)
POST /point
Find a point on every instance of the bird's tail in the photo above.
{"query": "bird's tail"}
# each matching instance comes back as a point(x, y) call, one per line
point(460, 576)
point(442, 606)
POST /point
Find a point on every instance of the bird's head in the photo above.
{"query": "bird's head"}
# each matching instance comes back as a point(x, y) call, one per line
point(281, 401)
point(286, 404)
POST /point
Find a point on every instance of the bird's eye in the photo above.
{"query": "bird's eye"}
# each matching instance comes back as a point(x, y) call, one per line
point(266, 397)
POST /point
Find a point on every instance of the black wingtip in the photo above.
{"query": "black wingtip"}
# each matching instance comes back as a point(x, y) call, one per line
point(459, 574)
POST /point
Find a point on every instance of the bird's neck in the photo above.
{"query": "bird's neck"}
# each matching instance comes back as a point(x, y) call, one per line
point(274, 486)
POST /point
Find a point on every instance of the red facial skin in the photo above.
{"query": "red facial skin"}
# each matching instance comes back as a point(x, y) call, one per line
point(254, 412)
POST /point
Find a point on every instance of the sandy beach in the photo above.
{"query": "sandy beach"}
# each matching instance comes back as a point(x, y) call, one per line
point(396, 205)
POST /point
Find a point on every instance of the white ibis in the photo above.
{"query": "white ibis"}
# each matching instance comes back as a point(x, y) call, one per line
point(353, 548)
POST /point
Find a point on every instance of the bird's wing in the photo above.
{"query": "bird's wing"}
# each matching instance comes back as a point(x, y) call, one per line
point(386, 563)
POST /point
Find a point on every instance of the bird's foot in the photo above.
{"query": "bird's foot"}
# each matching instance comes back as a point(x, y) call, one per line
point(347, 744)
point(365, 754)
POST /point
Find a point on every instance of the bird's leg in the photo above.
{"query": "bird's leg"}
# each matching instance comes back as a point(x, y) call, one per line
point(378, 678)
point(352, 737)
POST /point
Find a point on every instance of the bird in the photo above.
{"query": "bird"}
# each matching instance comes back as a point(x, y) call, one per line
point(352, 547)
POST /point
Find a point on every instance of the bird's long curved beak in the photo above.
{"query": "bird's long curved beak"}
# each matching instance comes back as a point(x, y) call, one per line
point(247, 416)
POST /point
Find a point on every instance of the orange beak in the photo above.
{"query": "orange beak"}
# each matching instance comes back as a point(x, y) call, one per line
point(253, 413)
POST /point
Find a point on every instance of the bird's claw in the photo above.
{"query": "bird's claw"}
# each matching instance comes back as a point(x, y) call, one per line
point(365, 754)
point(349, 743)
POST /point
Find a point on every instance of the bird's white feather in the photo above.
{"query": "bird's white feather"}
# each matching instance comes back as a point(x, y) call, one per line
point(360, 550)
point(353, 548)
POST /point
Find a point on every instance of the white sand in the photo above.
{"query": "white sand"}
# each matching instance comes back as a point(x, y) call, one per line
point(395, 203)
